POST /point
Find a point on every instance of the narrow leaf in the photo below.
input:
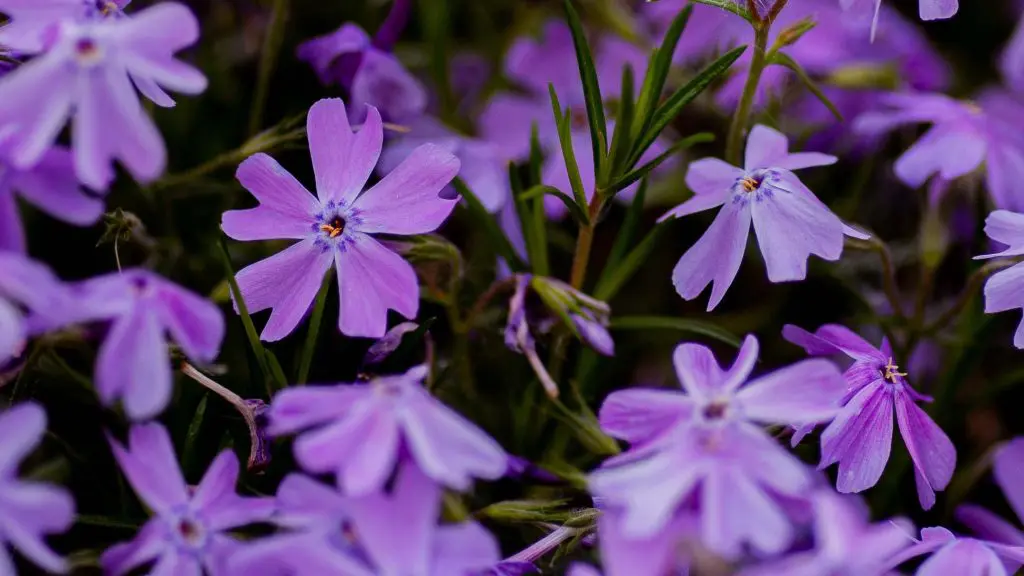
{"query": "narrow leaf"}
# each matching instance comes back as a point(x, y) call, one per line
point(658, 66)
point(243, 311)
point(540, 238)
point(667, 112)
point(783, 59)
point(490, 227)
point(628, 179)
point(681, 324)
point(728, 6)
point(623, 128)
point(564, 125)
point(544, 190)
point(591, 88)
point(617, 278)
point(527, 223)
point(793, 33)
point(624, 239)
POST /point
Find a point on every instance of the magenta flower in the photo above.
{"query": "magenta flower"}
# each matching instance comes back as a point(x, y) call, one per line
point(336, 229)
point(1002, 290)
point(26, 286)
point(50, 185)
point(360, 432)
point(31, 23)
point(846, 544)
point(860, 437)
point(188, 532)
point(379, 533)
point(714, 461)
point(954, 556)
point(143, 309)
point(790, 222)
point(963, 137)
point(28, 510)
point(87, 76)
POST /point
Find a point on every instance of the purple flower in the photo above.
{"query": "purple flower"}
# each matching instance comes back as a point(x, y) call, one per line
point(52, 186)
point(956, 556)
point(714, 461)
point(846, 544)
point(379, 533)
point(860, 437)
point(664, 552)
point(367, 70)
point(537, 303)
point(360, 432)
point(964, 135)
point(188, 532)
point(928, 9)
point(336, 229)
point(1007, 469)
point(26, 286)
point(1002, 290)
point(1011, 62)
point(31, 24)
point(87, 76)
point(143, 309)
point(28, 510)
point(790, 222)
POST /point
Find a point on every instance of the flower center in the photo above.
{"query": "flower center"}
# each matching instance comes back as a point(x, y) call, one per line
point(750, 184)
point(716, 410)
point(87, 51)
point(890, 372)
point(334, 228)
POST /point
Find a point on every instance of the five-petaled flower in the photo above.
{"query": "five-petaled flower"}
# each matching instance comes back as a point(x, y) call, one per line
point(337, 228)
point(1003, 289)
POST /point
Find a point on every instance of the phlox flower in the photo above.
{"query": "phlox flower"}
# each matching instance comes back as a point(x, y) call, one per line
point(336, 228)
point(714, 462)
point(361, 432)
point(1002, 289)
point(1008, 469)
point(28, 510)
point(789, 220)
point(25, 287)
point(927, 9)
point(143, 309)
point(952, 555)
point(87, 76)
point(963, 137)
point(31, 23)
point(50, 185)
point(394, 532)
point(187, 534)
point(860, 437)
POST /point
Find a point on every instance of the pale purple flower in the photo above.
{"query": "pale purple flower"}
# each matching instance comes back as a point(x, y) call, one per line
point(375, 534)
point(87, 76)
point(1008, 469)
point(1003, 289)
point(28, 510)
point(860, 437)
point(1011, 62)
point(336, 227)
point(846, 544)
point(381, 349)
point(31, 24)
point(483, 168)
point(360, 432)
point(789, 220)
point(50, 185)
point(927, 9)
point(535, 307)
point(143, 310)
point(665, 552)
point(951, 555)
point(714, 461)
point(188, 533)
point(26, 287)
point(963, 137)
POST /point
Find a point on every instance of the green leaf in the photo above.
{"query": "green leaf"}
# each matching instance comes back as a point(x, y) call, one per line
point(623, 128)
point(536, 154)
point(783, 59)
point(526, 221)
point(243, 311)
point(728, 6)
point(490, 227)
point(793, 33)
point(624, 239)
point(192, 436)
point(564, 124)
point(315, 320)
point(658, 66)
point(667, 112)
point(627, 180)
point(545, 190)
point(591, 88)
point(275, 370)
point(617, 278)
point(681, 324)
point(540, 238)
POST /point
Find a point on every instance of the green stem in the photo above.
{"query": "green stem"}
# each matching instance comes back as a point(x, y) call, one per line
point(243, 311)
point(974, 283)
point(734, 143)
point(268, 61)
point(314, 331)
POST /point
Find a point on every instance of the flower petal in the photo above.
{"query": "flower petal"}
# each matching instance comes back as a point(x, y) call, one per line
point(765, 147)
point(941, 151)
point(1007, 228)
point(21, 427)
point(264, 223)
point(964, 557)
point(1002, 290)
point(38, 100)
point(639, 414)
point(133, 365)
point(711, 176)
point(931, 450)
point(860, 439)
point(735, 511)
point(276, 188)
point(987, 525)
point(698, 203)
point(1008, 469)
point(743, 365)
point(938, 9)
point(12, 234)
point(151, 467)
point(149, 542)
point(297, 408)
point(698, 370)
point(465, 548)
point(195, 323)
point(218, 481)
point(716, 257)
point(52, 186)
point(804, 393)
point(371, 280)
point(342, 160)
point(832, 339)
point(802, 160)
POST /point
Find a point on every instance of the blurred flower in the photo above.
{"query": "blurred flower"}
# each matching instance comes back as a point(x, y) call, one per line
point(360, 432)
point(52, 186)
point(860, 437)
point(337, 229)
point(1003, 289)
point(928, 9)
point(580, 569)
point(188, 533)
point(845, 543)
point(26, 286)
point(31, 24)
point(28, 510)
point(664, 552)
point(84, 77)
point(964, 135)
point(1011, 62)
point(538, 302)
point(715, 463)
point(790, 222)
point(953, 556)
point(378, 533)
point(143, 308)
point(1008, 469)
point(381, 349)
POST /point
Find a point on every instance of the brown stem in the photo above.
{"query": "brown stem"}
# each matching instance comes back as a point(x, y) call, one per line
point(584, 243)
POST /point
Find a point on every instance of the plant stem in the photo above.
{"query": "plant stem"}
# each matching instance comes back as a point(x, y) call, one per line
point(974, 283)
point(314, 331)
point(733, 146)
point(268, 61)
point(584, 242)
point(892, 293)
point(243, 311)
